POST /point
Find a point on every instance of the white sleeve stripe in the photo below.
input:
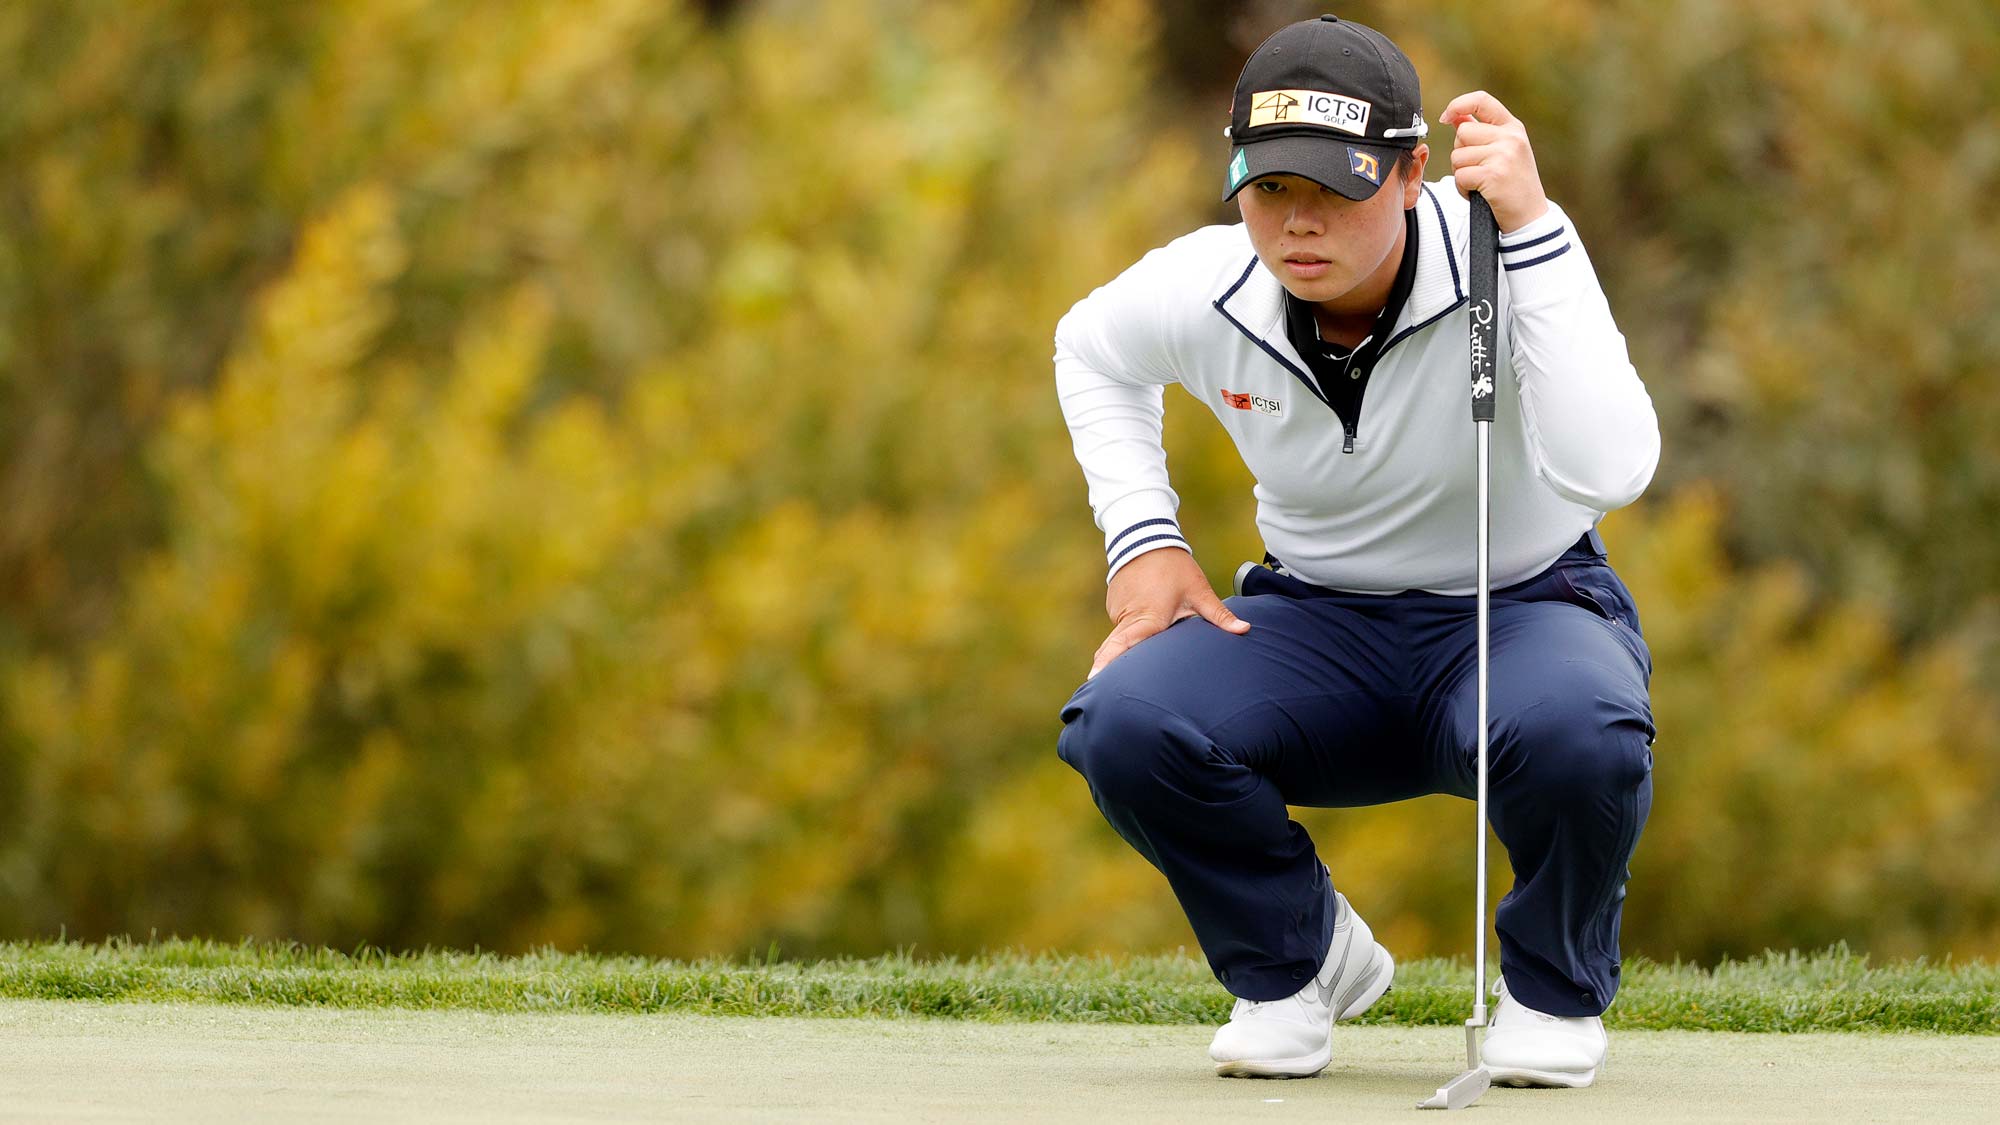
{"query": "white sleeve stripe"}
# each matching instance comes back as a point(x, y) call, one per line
point(1536, 241)
point(1137, 543)
point(1556, 253)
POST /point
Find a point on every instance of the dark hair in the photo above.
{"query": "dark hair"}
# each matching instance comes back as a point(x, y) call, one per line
point(1406, 160)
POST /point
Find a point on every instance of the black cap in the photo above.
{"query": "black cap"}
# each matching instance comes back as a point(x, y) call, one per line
point(1329, 100)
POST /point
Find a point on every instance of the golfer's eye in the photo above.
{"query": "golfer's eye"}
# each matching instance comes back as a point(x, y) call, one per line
point(1269, 187)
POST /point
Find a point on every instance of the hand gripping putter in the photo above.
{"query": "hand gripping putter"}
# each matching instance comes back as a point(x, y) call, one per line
point(1484, 267)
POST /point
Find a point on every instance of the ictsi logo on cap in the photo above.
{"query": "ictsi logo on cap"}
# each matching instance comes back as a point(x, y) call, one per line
point(1309, 107)
point(1258, 403)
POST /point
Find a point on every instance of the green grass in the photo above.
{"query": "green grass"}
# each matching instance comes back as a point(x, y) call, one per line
point(1833, 990)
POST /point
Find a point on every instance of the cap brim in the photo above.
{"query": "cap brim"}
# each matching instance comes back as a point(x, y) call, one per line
point(1334, 162)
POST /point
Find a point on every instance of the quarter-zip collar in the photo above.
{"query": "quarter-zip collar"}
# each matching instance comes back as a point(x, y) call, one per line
point(1343, 384)
point(1255, 302)
point(1302, 326)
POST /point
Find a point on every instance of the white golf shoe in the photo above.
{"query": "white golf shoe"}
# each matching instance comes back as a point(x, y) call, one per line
point(1293, 1037)
point(1528, 1048)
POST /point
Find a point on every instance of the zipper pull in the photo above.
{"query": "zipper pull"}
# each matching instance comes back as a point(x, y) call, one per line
point(1348, 445)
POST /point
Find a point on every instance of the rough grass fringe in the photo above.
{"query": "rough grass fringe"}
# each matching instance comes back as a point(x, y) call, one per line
point(1831, 990)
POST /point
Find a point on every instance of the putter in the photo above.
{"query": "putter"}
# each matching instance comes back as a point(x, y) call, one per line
point(1484, 267)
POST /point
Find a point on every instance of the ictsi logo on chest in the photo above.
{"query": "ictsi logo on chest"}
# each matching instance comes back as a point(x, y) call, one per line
point(1258, 403)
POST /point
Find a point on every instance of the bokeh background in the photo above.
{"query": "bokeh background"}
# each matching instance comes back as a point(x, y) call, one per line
point(587, 474)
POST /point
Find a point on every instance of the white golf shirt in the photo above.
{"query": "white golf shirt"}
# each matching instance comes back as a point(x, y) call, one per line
point(1574, 434)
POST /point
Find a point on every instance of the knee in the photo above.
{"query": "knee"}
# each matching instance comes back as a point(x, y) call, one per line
point(1582, 750)
point(1119, 744)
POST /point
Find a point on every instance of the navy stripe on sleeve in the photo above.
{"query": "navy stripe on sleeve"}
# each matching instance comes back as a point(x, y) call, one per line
point(1557, 253)
point(1113, 545)
point(1138, 543)
point(1507, 249)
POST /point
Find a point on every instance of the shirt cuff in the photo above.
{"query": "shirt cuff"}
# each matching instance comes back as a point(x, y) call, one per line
point(1136, 524)
point(1540, 259)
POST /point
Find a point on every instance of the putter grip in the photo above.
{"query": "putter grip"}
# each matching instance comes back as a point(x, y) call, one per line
point(1483, 262)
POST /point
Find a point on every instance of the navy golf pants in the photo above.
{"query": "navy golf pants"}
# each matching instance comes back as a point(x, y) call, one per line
point(1194, 741)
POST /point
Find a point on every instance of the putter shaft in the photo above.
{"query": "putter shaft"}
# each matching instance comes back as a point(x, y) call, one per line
point(1483, 268)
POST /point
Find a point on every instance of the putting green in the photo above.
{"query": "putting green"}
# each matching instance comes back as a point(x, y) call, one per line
point(70, 1060)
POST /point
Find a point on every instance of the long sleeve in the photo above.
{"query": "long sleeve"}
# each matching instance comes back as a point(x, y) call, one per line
point(1113, 359)
point(1590, 423)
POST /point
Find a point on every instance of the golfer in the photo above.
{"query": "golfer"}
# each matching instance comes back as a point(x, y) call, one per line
point(1328, 333)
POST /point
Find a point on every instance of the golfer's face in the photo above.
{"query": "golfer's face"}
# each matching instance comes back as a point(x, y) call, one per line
point(1318, 242)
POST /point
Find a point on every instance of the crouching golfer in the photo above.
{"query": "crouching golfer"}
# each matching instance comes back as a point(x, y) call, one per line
point(1328, 332)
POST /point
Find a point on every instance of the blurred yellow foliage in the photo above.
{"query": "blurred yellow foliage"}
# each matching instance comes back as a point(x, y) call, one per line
point(598, 482)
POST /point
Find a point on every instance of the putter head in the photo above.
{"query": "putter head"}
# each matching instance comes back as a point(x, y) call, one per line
point(1459, 1092)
